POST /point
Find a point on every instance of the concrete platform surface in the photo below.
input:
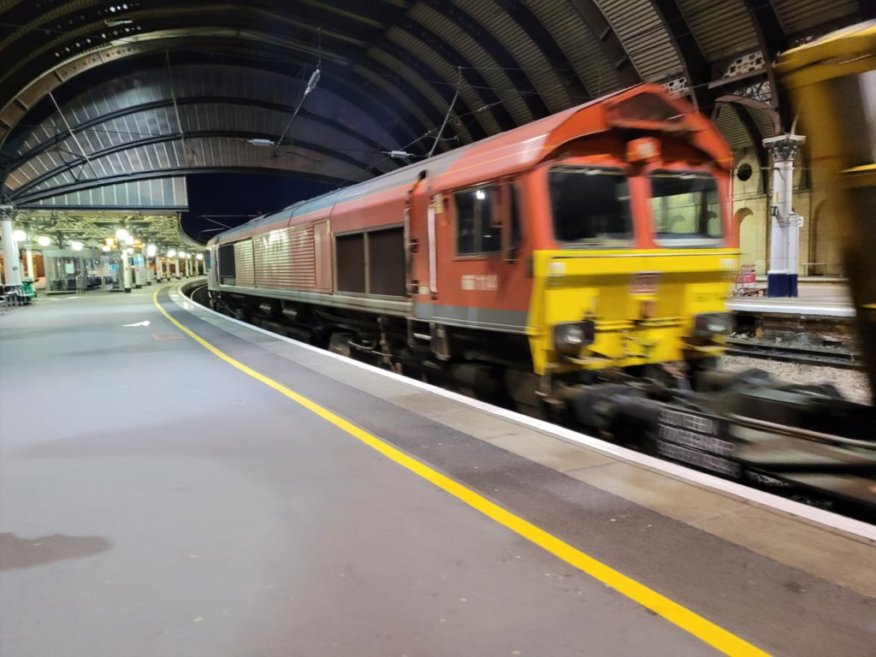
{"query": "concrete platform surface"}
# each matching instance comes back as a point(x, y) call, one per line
point(155, 501)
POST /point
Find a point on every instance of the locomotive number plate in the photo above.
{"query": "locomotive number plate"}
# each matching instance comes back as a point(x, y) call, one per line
point(645, 282)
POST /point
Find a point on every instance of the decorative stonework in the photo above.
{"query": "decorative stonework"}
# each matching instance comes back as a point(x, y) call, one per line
point(677, 86)
point(759, 90)
point(784, 148)
point(744, 64)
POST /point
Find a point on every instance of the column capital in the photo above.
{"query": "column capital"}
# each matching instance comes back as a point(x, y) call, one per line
point(784, 147)
point(6, 211)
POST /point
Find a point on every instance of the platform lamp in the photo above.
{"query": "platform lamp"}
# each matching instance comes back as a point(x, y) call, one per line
point(11, 263)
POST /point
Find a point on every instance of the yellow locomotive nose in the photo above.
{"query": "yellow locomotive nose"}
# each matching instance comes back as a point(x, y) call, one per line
point(599, 310)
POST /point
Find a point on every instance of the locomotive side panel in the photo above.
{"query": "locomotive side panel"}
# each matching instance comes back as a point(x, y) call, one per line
point(481, 258)
point(322, 248)
point(271, 260)
point(244, 264)
point(301, 254)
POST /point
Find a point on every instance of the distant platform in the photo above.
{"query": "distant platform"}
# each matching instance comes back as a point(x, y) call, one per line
point(822, 299)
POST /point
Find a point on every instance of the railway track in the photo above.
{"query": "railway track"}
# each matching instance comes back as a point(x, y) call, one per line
point(825, 357)
point(799, 458)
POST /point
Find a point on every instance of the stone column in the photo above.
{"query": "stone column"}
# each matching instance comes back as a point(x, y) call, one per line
point(11, 263)
point(126, 270)
point(784, 223)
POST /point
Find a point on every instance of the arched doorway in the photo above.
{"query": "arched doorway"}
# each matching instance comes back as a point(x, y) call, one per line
point(822, 243)
point(752, 239)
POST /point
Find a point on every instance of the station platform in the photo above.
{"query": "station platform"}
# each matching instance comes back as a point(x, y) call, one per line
point(821, 299)
point(176, 483)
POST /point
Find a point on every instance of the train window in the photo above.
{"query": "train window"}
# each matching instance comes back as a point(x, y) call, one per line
point(685, 209)
point(227, 271)
point(591, 206)
point(478, 227)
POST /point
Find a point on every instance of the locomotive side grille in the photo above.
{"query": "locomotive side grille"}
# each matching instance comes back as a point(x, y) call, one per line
point(271, 255)
point(303, 255)
point(243, 263)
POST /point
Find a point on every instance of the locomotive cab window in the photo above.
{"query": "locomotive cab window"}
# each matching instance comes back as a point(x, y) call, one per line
point(591, 206)
point(481, 214)
point(476, 230)
point(685, 209)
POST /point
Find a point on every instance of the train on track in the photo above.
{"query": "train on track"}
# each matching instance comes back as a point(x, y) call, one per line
point(593, 243)
point(578, 268)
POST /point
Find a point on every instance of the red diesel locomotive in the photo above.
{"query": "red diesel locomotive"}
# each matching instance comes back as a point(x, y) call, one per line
point(583, 246)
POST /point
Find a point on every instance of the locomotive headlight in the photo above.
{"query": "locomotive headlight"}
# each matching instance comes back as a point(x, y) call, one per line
point(707, 325)
point(569, 337)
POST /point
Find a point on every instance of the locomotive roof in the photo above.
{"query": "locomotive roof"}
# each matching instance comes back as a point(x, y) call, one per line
point(512, 151)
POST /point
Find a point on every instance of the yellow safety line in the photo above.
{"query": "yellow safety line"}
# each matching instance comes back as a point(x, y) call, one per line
point(703, 629)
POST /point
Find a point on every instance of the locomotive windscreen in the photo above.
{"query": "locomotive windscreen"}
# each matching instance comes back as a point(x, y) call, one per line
point(591, 206)
point(685, 209)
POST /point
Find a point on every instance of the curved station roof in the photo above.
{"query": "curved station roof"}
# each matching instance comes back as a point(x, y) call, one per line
point(110, 104)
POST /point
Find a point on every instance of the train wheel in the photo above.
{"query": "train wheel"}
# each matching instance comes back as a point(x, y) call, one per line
point(339, 343)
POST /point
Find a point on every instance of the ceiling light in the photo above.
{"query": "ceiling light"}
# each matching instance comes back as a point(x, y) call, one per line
point(19, 235)
point(42, 240)
point(171, 253)
point(76, 246)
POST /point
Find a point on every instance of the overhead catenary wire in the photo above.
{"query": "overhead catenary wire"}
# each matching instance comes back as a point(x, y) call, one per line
point(179, 124)
point(311, 85)
point(73, 134)
point(447, 115)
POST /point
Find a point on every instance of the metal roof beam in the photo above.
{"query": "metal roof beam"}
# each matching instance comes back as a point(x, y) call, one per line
point(773, 40)
point(551, 51)
point(472, 76)
point(169, 173)
point(160, 139)
point(696, 65)
point(184, 102)
point(497, 51)
point(611, 43)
